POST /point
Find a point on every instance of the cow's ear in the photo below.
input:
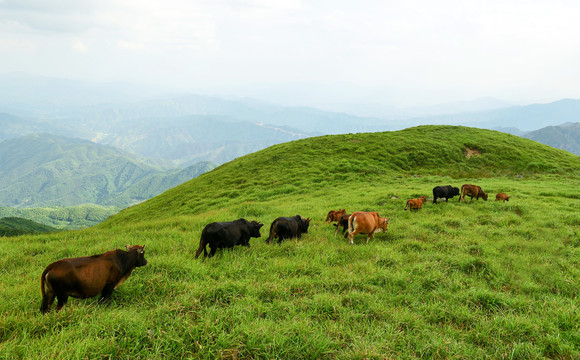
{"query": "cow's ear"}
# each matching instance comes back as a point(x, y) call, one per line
point(128, 247)
point(143, 248)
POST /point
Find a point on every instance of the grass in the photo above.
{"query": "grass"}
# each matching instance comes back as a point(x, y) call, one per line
point(473, 280)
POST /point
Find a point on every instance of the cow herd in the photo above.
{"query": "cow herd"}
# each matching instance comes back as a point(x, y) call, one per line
point(86, 277)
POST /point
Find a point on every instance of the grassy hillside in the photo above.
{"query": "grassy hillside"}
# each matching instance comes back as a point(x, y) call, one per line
point(13, 226)
point(43, 170)
point(469, 280)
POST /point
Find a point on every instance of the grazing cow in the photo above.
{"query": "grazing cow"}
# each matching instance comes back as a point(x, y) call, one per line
point(334, 215)
point(342, 222)
point(365, 223)
point(472, 191)
point(227, 234)
point(85, 277)
point(288, 227)
point(502, 196)
point(446, 192)
point(416, 203)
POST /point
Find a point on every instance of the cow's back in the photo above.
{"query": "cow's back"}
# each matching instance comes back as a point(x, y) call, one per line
point(84, 276)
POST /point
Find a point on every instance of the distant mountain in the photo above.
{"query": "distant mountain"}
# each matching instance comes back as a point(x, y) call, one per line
point(190, 139)
point(13, 226)
point(525, 118)
point(49, 170)
point(565, 136)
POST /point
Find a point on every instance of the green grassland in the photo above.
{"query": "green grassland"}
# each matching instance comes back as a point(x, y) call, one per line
point(469, 280)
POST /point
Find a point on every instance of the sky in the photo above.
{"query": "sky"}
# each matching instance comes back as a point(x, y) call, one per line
point(396, 53)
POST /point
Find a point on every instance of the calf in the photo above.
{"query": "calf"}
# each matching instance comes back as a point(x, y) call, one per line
point(365, 223)
point(287, 228)
point(415, 203)
point(334, 215)
point(342, 222)
point(219, 235)
point(85, 277)
point(502, 196)
point(472, 191)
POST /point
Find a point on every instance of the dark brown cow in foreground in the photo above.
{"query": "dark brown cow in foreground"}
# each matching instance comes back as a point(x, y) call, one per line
point(472, 191)
point(85, 277)
point(365, 223)
point(416, 203)
point(334, 215)
point(342, 222)
point(502, 196)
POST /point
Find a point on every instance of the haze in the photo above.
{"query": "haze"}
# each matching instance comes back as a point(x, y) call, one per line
point(316, 53)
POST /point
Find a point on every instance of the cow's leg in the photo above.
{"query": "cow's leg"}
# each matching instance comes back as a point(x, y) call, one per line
point(62, 299)
point(213, 250)
point(351, 236)
point(106, 293)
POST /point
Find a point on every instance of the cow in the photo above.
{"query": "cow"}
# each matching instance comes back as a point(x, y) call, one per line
point(219, 235)
point(334, 215)
point(416, 203)
point(365, 223)
point(472, 191)
point(446, 192)
point(502, 196)
point(342, 222)
point(287, 228)
point(86, 277)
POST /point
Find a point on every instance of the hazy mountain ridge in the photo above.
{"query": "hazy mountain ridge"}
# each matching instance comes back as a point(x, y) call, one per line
point(50, 170)
point(565, 136)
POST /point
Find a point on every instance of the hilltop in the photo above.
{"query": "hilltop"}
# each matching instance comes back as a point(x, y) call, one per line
point(326, 162)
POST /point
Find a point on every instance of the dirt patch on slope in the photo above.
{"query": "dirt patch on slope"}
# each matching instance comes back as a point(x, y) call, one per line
point(471, 152)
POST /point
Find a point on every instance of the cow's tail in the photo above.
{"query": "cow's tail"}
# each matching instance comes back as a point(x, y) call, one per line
point(272, 232)
point(461, 194)
point(351, 219)
point(407, 205)
point(44, 305)
point(202, 245)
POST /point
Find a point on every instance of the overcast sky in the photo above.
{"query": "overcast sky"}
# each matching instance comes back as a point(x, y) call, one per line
point(395, 52)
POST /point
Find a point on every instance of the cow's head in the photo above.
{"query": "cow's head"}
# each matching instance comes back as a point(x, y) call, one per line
point(254, 228)
point(304, 225)
point(454, 191)
point(423, 199)
point(383, 223)
point(484, 195)
point(140, 252)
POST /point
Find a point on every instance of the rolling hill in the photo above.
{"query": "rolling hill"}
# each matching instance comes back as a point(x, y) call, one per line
point(471, 279)
point(329, 161)
point(13, 226)
point(47, 170)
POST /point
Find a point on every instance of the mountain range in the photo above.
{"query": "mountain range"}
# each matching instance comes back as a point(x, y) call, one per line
point(43, 170)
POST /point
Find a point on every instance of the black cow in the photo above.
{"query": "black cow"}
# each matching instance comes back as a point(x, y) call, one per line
point(288, 227)
point(227, 234)
point(446, 192)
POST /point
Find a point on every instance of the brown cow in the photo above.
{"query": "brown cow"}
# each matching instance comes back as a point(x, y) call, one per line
point(85, 277)
point(415, 203)
point(334, 215)
point(472, 191)
point(343, 221)
point(365, 223)
point(502, 196)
